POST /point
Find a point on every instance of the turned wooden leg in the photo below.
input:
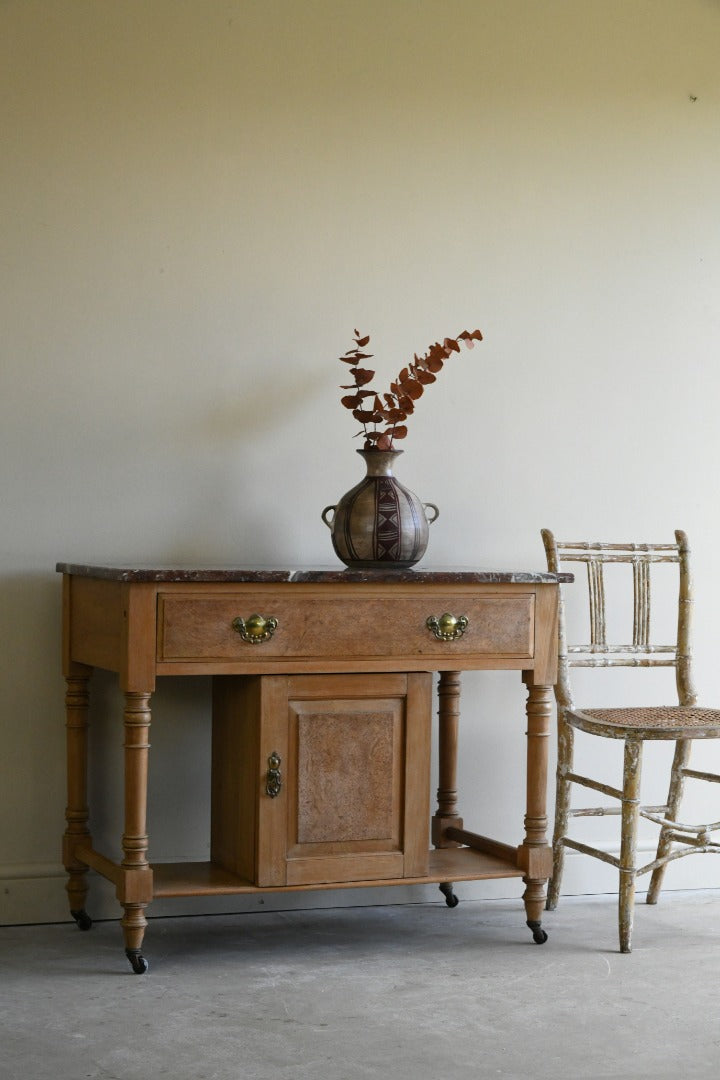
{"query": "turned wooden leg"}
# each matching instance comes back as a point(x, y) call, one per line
point(448, 721)
point(447, 815)
point(135, 889)
point(534, 854)
point(565, 748)
point(76, 814)
point(628, 841)
point(677, 783)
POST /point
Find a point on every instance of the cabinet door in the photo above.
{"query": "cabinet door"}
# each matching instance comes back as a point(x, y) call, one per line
point(321, 778)
point(354, 800)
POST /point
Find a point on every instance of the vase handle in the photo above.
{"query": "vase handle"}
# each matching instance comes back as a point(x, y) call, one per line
point(324, 515)
point(435, 516)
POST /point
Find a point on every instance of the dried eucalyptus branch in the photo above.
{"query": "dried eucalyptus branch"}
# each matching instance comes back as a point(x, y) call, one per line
point(384, 421)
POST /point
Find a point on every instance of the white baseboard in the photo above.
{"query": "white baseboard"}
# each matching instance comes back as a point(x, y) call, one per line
point(35, 893)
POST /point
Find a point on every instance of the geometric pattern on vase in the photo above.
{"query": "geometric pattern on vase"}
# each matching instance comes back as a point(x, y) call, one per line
point(387, 520)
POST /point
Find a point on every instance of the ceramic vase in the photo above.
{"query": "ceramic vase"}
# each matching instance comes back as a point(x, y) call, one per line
point(379, 524)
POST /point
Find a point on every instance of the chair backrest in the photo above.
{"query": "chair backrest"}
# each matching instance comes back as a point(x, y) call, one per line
point(641, 652)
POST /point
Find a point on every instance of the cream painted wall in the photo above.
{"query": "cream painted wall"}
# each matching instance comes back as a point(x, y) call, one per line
point(202, 198)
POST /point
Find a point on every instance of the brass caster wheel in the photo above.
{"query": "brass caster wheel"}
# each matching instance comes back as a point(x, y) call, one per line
point(82, 919)
point(137, 961)
point(450, 898)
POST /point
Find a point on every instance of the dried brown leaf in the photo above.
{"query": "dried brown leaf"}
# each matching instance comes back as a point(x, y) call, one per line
point(362, 375)
point(393, 416)
point(412, 388)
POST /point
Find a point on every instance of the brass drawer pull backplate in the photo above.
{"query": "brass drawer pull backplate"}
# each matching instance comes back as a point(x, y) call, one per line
point(256, 629)
point(448, 627)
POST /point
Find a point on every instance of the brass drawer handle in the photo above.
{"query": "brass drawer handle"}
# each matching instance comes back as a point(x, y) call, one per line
point(273, 781)
point(448, 627)
point(255, 629)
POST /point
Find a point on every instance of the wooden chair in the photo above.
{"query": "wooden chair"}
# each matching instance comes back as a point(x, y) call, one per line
point(682, 723)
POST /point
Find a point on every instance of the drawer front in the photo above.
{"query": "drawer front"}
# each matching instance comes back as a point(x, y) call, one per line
point(203, 628)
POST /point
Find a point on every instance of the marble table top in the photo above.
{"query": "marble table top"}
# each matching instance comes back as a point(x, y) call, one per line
point(276, 575)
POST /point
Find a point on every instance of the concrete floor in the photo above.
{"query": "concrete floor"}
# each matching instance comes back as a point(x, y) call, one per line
point(415, 992)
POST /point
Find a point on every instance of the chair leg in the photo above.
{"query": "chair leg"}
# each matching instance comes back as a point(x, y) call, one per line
point(566, 739)
point(628, 842)
point(677, 783)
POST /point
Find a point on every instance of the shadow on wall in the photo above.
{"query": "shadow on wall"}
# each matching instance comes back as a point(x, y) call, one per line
point(32, 792)
point(179, 774)
point(238, 467)
point(33, 772)
point(269, 403)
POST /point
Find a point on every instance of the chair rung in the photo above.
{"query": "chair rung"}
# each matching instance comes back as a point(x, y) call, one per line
point(585, 849)
point(632, 661)
point(642, 650)
point(695, 774)
point(600, 550)
point(689, 849)
point(601, 811)
point(585, 781)
point(692, 841)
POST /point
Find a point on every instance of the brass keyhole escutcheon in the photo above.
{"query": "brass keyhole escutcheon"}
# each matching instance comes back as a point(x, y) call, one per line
point(273, 781)
point(256, 628)
point(447, 627)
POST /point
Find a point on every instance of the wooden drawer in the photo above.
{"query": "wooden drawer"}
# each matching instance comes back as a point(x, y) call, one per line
point(194, 627)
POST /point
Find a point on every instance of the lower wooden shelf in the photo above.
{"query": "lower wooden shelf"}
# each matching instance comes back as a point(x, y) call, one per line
point(446, 864)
